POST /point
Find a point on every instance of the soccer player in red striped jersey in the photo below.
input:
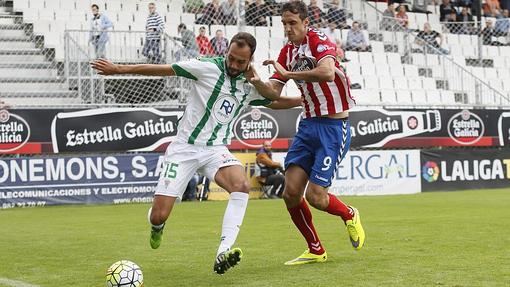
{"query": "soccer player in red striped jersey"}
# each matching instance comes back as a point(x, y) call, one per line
point(323, 136)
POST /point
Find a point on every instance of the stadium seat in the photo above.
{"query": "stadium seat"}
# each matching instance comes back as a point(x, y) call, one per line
point(371, 81)
point(418, 59)
point(382, 70)
point(396, 70)
point(410, 70)
point(394, 59)
point(352, 68)
point(400, 83)
point(368, 69)
point(388, 97)
point(414, 82)
point(448, 97)
point(380, 58)
point(366, 96)
point(377, 47)
point(352, 56)
point(419, 97)
point(386, 82)
point(432, 60)
point(429, 84)
point(20, 5)
point(404, 97)
point(434, 97)
point(356, 79)
point(366, 58)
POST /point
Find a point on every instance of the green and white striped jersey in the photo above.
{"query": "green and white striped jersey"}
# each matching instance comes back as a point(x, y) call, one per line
point(215, 102)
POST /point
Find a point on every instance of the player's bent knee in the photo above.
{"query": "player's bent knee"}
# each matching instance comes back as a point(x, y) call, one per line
point(158, 215)
point(241, 186)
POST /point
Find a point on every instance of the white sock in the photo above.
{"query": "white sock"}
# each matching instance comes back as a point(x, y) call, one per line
point(232, 220)
point(149, 219)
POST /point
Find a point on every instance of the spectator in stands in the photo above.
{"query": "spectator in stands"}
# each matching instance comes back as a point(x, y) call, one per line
point(464, 3)
point(402, 18)
point(99, 24)
point(330, 31)
point(189, 44)
point(154, 28)
point(315, 14)
point(338, 15)
point(194, 6)
point(256, 13)
point(228, 11)
point(487, 33)
point(452, 22)
point(467, 24)
point(219, 44)
point(204, 45)
point(356, 40)
point(491, 8)
point(388, 21)
point(502, 25)
point(428, 39)
point(445, 9)
point(271, 172)
point(211, 14)
point(420, 6)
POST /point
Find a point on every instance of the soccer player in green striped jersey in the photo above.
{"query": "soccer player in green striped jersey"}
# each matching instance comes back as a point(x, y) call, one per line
point(221, 88)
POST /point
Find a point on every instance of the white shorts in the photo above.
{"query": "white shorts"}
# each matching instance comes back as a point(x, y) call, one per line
point(183, 160)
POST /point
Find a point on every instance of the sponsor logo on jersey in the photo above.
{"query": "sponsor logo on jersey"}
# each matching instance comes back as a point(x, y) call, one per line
point(322, 48)
point(465, 128)
point(14, 131)
point(255, 127)
point(224, 109)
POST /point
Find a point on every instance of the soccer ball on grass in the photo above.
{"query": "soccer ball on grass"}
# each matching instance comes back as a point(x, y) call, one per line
point(124, 273)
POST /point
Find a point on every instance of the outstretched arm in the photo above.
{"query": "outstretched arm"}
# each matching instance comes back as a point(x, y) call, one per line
point(105, 67)
point(285, 103)
point(324, 72)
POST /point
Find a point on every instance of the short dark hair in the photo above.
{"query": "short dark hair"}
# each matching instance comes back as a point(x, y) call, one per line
point(296, 7)
point(219, 30)
point(181, 26)
point(202, 27)
point(94, 5)
point(242, 39)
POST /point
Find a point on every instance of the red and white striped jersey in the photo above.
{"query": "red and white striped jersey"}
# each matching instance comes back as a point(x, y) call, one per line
point(318, 98)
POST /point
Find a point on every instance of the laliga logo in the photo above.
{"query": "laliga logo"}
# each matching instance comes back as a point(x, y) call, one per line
point(430, 171)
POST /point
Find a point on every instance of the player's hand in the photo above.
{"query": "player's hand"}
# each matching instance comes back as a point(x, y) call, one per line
point(251, 75)
point(105, 67)
point(279, 68)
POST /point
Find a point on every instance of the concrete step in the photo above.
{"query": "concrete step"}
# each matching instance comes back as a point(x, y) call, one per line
point(7, 20)
point(34, 99)
point(27, 72)
point(32, 86)
point(27, 65)
point(16, 43)
point(11, 31)
point(22, 58)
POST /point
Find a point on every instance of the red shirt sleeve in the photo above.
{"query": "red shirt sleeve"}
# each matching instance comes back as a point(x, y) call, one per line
point(320, 45)
point(282, 59)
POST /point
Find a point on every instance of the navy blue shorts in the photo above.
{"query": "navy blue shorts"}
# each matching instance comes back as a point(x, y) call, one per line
point(319, 146)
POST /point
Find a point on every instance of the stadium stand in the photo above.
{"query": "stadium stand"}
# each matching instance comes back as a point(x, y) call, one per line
point(44, 49)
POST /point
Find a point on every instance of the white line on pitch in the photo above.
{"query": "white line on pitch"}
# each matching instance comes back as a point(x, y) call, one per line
point(15, 283)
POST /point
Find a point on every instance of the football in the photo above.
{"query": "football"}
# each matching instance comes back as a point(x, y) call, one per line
point(124, 273)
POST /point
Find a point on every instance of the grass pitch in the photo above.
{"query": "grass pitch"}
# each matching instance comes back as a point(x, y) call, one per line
point(428, 239)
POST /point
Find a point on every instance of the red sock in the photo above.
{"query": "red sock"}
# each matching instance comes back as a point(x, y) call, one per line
point(302, 218)
point(338, 208)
